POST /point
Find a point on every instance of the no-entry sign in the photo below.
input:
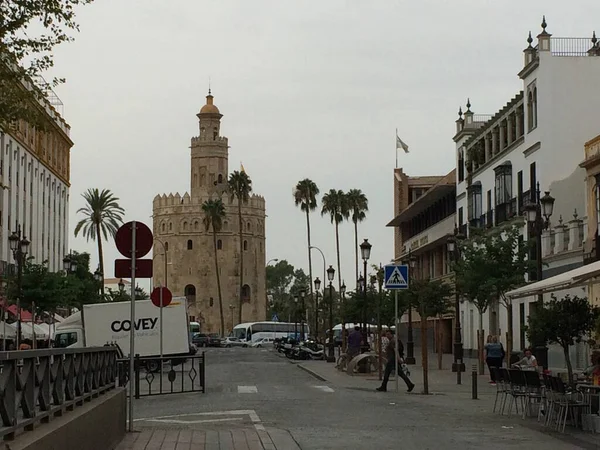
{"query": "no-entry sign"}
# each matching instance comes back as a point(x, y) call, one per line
point(166, 296)
point(143, 239)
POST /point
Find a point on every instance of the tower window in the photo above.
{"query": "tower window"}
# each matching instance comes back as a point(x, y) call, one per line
point(190, 244)
point(170, 226)
point(215, 133)
point(164, 227)
point(245, 245)
point(196, 225)
point(185, 226)
point(248, 226)
point(211, 302)
point(219, 245)
point(220, 179)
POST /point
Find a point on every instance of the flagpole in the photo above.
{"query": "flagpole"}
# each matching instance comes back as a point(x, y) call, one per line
point(396, 148)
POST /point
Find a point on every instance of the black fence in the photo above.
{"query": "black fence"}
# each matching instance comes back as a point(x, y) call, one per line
point(166, 375)
point(37, 385)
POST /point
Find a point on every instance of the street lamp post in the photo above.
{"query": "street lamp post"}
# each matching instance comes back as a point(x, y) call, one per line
point(317, 287)
point(266, 288)
point(342, 303)
point(330, 277)
point(380, 276)
point(365, 250)
point(458, 366)
point(303, 315)
point(19, 246)
point(410, 344)
point(538, 216)
point(295, 317)
point(98, 277)
point(165, 247)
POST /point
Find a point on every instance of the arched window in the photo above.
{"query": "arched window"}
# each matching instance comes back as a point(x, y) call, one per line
point(245, 245)
point(215, 133)
point(530, 111)
point(190, 293)
point(248, 226)
point(246, 293)
point(164, 228)
point(166, 246)
point(225, 225)
point(170, 226)
point(219, 245)
point(220, 179)
point(190, 244)
point(211, 302)
point(196, 225)
point(185, 226)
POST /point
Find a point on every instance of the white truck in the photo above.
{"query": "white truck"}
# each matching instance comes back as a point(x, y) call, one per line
point(109, 323)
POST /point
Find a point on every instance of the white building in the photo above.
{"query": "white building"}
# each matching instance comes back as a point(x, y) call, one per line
point(34, 176)
point(537, 137)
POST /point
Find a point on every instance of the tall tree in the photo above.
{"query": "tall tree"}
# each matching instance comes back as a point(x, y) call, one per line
point(305, 196)
point(491, 264)
point(358, 206)
point(214, 213)
point(335, 204)
point(240, 187)
point(279, 278)
point(29, 32)
point(102, 217)
point(563, 321)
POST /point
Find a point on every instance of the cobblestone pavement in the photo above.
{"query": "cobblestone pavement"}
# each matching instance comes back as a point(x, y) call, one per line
point(256, 399)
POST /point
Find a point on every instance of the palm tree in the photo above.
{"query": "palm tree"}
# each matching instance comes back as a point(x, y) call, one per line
point(214, 213)
point(335, 204)
point(102, 217)
point(358, 206)
point(240, 187)
point(305, 195)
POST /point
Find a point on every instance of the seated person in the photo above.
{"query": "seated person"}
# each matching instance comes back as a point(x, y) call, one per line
point(528, 362)
point(594, 369)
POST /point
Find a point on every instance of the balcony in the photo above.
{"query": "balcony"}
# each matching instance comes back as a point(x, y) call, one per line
point(506, 211)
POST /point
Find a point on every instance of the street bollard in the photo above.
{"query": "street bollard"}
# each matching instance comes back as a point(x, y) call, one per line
point(474, 382)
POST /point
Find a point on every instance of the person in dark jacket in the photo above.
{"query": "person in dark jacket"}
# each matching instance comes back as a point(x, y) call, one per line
point(391, 363)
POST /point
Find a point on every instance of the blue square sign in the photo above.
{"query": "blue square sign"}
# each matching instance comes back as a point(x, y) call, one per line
point(396, 276)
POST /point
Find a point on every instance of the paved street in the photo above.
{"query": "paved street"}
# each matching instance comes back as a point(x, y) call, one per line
point(256, 399)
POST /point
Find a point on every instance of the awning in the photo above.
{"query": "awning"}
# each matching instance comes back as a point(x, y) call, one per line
point(566, 280)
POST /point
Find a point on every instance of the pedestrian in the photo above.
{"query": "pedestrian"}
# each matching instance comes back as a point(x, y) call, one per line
point(494, 354)
point(391, 363)
point(354, 343)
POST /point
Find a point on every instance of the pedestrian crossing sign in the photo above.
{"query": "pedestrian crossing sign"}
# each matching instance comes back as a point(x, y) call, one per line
point(396, 276)
point(274, 318)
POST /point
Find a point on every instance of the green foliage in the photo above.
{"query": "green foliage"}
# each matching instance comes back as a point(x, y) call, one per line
point(433, 298)
point(491, 264)
point(357, 205)
point(125, 295)
point(29, 32)
point(335, 204)
point(214, 214)
point(564, 322)
point(240, 186)
point(305, 195)
point(102, 214)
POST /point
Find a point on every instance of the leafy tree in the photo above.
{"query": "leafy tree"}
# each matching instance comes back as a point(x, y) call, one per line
point(125, 295)
point(102, 217)
point(279, 278)
point(358, 205)
point(491, 264)
point(564, 322)
point(433, 299)
point(214, 213)
point(29, 32)
point(240, 187)
point(305, 196)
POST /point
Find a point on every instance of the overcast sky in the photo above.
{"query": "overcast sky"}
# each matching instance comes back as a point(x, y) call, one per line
point(308, 89)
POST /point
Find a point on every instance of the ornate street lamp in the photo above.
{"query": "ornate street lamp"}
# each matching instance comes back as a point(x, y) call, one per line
point(302, 317)
point(454, 251)
point(19, 245)
point(410, 344)
point(365, 251)
point(295, 317)
point(330, 277)
point(317, 287)
point(538, 216)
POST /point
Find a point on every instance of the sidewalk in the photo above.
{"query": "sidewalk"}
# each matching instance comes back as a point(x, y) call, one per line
point(185, 439)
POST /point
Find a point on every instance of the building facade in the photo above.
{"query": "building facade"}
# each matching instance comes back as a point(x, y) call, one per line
point(35, 181)
point(591, 164)
point(534, 143)
point(425, 217)
point(188, 246)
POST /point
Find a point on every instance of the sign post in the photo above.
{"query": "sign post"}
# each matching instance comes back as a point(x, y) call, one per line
point(134, 241)
point(396, 278)
point(161, 297)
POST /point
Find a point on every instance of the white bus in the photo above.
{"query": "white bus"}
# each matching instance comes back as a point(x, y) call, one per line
point(253, 331)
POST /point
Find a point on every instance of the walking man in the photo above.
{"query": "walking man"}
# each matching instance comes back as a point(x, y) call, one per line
point(391, 363)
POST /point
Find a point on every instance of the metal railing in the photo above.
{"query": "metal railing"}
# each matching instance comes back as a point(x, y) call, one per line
point(36, 385)
point(561, 46)
point(175, 375)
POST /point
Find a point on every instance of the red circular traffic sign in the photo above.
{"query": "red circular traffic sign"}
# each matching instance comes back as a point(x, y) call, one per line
point(143, 239)
point(166, 296)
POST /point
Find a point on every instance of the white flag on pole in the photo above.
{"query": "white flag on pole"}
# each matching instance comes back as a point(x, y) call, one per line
point(400, 143)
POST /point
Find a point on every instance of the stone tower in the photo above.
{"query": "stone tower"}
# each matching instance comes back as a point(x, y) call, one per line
point(190, 264)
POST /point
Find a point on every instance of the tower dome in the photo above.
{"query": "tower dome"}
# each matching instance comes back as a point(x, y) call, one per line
point(209, 108)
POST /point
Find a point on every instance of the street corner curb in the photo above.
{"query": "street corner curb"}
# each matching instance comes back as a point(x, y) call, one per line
point(312, 372)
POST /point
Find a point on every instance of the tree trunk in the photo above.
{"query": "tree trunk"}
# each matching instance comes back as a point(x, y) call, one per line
point(101, 260)
point(339, 272)
point(222, 317)
point(568, 361)
point(509, 334)
point(241, 259)
point(356, 251)
point(424, 355)
point(310, 274)
point(439, 342)
point(480, 344)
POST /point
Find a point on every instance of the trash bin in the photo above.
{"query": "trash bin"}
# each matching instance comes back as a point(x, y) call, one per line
point(515, 356)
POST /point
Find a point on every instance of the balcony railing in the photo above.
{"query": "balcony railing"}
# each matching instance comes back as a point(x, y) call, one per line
point(506, 211)
point(570, 46)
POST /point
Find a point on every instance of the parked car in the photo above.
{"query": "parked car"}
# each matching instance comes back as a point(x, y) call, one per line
point(233, 342)
point(263, 342)
point(214, 340)
point(201, 340)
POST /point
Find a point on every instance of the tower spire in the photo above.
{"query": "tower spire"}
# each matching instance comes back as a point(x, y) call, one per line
point(209, 92)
